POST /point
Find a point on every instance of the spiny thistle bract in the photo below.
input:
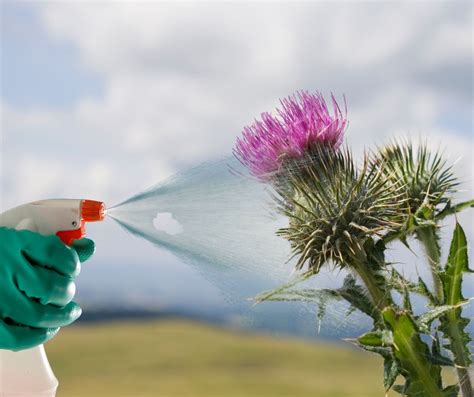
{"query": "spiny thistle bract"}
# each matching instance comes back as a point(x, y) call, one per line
point(303, 121)
point(424, 177)
point(333, 208)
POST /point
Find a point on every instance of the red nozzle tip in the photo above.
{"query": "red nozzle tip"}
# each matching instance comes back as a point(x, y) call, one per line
point(92, 211)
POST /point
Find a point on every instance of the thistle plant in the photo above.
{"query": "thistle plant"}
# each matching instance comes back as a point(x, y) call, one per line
point(344, 214)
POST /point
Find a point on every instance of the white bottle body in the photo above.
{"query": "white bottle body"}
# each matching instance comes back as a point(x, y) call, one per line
point(27, 373)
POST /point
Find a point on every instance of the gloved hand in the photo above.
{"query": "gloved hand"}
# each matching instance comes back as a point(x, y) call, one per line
point(37, 286)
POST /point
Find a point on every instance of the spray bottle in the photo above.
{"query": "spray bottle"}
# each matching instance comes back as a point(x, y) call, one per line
point(27, 373)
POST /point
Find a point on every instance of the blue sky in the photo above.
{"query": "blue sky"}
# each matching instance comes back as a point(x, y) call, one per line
point(102, 100)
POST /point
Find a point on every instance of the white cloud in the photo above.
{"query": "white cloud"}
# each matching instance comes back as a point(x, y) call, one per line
point(32, 188)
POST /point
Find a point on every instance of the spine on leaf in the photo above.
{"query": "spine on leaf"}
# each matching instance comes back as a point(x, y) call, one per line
point(453, 325)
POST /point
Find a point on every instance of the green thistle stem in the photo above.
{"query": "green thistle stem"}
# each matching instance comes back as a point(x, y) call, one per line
point(380, 296)
point(429, 239)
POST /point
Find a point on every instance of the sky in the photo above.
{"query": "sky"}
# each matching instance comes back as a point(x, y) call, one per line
point(101, 100)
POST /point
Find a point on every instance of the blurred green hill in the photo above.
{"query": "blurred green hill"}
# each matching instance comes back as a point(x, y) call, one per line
point(179, 358)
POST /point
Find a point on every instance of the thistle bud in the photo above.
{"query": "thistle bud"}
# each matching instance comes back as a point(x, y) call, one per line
point(424, 178)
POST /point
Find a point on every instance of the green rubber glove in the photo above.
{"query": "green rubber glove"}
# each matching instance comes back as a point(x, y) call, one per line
point(37, 286)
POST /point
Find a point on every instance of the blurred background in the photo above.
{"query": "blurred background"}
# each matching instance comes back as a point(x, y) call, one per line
point(101, 100)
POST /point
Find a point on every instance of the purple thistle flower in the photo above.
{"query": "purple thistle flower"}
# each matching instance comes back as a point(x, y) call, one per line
point(303, 122)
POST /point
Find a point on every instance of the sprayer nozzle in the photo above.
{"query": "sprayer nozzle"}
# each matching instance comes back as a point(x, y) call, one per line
point(92, 210)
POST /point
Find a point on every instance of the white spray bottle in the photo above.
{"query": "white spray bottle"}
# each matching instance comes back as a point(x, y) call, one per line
point(27, 373)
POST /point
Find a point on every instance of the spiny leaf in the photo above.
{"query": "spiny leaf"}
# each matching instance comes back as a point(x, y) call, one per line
point(304, 295)
point(369, 343)
point(268, 295)
point(406, 300)
point(424, 321)
point(457, 265)
point(436, 345)
point(391, 370)
point(449, 210)
point(356, 295)
point(423, 378)
point(451, 391)
point(441, 360)
point(424, 290)
point(400, 284)
point(380, 338)
point(385, 352)
point(436, 357)
point(350, 291)
point(453, 325)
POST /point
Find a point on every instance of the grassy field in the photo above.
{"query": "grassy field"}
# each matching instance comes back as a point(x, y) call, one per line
point(178, 358)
